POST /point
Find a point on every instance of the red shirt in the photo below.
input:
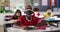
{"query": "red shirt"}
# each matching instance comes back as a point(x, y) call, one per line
point(24, 21)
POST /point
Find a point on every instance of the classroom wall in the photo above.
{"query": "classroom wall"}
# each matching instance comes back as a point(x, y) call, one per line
point(43, 8)
point(15, 3)
point(59, 3)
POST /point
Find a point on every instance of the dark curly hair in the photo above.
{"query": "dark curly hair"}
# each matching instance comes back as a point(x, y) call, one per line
point(28, 7)
point(36, 9)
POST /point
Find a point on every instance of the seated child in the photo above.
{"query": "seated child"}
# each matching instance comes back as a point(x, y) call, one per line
point(17, 14)
point(48, 13)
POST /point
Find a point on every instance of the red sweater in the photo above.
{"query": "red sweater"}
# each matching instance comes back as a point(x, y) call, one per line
point(24, 22)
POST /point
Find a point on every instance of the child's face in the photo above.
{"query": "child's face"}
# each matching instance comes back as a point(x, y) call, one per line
point(18, 14)
point(49, 10)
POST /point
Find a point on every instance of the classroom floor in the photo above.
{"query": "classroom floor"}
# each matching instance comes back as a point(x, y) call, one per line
point(1, 28)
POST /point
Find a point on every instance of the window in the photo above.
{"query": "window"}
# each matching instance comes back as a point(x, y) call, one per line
point(36, 2)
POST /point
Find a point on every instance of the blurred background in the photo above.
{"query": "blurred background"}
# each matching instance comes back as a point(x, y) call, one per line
point(9, 7)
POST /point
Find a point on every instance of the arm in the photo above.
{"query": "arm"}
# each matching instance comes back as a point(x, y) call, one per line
point(41, 23)
point(19, 24)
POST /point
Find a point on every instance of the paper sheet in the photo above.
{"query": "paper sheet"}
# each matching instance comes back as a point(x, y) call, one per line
point(44, 2)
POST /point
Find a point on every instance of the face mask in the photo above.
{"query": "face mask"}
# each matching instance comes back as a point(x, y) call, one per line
point(29, 12)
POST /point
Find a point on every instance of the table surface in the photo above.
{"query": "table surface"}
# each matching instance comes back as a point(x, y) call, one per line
point(11, 21)
point(55, 19)
point(21, 30)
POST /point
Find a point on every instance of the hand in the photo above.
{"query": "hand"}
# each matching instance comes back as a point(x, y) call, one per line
point(36, 28)
point(25, 27)
point(16, 26)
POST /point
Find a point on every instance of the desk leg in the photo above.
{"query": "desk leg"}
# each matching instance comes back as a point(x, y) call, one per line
point(5, 29)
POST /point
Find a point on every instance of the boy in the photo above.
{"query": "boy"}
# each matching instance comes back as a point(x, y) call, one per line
point(49, 13)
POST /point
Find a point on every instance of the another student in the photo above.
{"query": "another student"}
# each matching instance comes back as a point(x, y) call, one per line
point(28, 20)
point(36, 12)
point(49, 13)
point(17, 14)
point(27, 7)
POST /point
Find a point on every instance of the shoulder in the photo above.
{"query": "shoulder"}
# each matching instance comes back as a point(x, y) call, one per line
point(22, 17)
